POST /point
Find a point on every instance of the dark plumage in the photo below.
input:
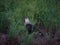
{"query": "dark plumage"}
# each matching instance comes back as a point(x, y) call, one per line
point(29, 26)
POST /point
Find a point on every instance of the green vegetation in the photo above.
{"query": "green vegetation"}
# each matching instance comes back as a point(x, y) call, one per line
point(16, 10)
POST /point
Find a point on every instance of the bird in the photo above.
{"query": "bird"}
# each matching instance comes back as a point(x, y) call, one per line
point(30, 27)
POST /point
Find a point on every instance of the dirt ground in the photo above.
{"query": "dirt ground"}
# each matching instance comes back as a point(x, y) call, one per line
point(38, 40)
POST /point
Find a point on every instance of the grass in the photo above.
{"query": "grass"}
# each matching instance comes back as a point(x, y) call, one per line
point(36, 10)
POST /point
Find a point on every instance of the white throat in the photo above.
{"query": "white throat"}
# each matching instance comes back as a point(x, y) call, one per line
point(27, 21)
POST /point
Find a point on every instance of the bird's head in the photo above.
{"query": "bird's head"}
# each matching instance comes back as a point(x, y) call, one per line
point(27, 20)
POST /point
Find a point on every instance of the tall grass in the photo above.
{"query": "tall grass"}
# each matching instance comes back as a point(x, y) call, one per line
point(16, 10)
point(28, 39)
